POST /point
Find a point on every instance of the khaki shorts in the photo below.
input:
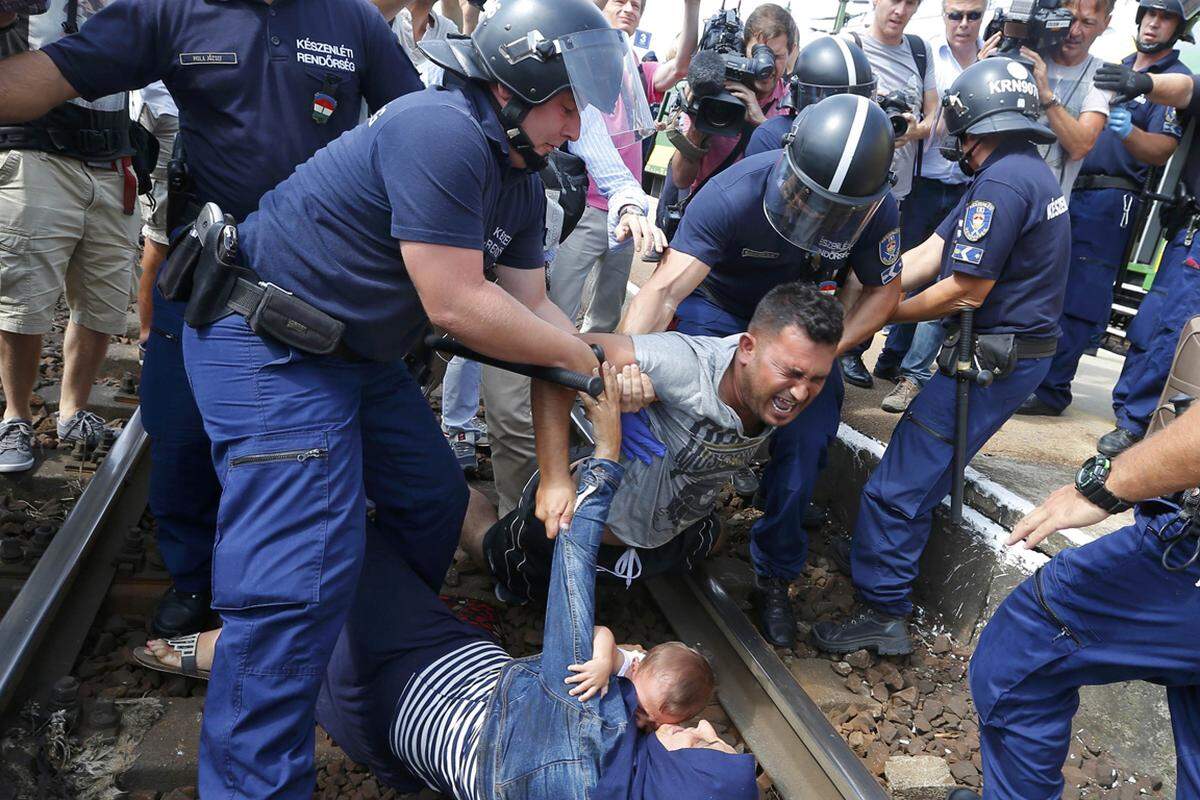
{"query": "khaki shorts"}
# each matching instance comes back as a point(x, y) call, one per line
point(62, 225)
point(154, 208)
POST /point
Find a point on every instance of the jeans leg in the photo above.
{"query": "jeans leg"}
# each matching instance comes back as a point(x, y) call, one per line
point(926, 343)
point(460, 395)
point(899, 339)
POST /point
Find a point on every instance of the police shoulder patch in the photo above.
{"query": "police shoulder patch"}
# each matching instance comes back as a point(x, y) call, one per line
point(889, 247)
point(967, 254)
point(977, 220)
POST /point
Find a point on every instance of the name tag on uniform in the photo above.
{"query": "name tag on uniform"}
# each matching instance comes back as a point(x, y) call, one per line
point(748, 253)
point(198, 59)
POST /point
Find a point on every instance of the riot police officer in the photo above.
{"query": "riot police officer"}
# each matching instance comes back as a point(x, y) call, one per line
point(826, 66)
point(814, 211)
point(1105, 200)
point(260, 88)
point(1002, 252)
point(1175, 295)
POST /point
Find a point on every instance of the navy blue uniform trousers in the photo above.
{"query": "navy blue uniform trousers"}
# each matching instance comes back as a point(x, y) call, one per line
point(914, 476)
point(1100, 230)
point(299, 442)
point(778, 541)
point(184, 491)
point(1108, 612)
point(1154, 334)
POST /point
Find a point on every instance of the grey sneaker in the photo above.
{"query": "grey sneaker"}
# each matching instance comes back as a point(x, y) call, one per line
point(463, 447)
point(84, 426)
point(900, 396)
point(16, 445)
point(481, 433)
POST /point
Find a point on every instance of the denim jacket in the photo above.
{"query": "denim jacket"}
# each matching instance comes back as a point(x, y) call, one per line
point(538, 742)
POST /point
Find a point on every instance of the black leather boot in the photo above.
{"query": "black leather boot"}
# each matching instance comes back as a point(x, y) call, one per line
point(854, 371)
point(867, 629)
point(775, 614)
point(181, 613)
point(1117, 441)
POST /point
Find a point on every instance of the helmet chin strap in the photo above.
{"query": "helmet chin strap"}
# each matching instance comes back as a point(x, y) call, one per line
point(511, 117)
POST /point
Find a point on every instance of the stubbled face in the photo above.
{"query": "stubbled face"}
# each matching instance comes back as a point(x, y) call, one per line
point(651, 692)
point(779, 374)
point(674, 737)
point(1157, 26)
point(624, 15)
point(1090, 22)
point(892, 16)
point(963, 31)
point(552, 123)
point(779, 49)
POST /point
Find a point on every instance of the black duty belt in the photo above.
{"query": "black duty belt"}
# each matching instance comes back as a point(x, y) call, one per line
point(1084, 182)
point(91, 143)
point(1040, 347)
point(247, 297)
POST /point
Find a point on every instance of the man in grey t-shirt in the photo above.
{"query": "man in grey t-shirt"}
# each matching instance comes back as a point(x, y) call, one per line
point(718, 400)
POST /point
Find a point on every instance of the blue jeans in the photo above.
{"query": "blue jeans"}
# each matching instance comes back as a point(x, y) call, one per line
point(914, 476)
point(916, 345)
point(460, 395)
point(299, 442)
point(184, 491)
point(778, 541)
point(1108, 612)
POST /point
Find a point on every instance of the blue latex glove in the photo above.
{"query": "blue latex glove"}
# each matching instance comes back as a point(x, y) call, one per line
point(1120, 121)
point(637, 440)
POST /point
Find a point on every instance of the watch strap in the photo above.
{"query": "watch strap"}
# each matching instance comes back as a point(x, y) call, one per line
point(1090, 483)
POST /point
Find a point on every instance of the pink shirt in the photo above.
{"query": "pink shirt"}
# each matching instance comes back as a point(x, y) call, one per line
point(719, 147)
point(631, 154)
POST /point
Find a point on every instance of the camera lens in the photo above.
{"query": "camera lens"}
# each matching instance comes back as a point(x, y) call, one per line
point(899, 124)
point(723, 115)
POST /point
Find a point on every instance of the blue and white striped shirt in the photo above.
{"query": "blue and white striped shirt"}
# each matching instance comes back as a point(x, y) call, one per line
point(440, 713)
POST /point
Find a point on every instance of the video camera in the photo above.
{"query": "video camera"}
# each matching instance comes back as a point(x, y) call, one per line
point(896, 106)
point(1040, 25)
point(717, 111)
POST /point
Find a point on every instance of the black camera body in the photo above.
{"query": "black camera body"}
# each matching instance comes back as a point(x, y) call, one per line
point(1040, 25)
point(715, 110)
point(896, 107)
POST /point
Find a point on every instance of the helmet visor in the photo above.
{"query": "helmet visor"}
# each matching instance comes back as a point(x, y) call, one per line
point(604, 75)
point(813, 218)
point(808, 94)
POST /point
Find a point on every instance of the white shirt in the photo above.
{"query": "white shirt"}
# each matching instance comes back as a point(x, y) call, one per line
point(604, 165)
point(946, 70)
point(439, 28)
point(158, 100)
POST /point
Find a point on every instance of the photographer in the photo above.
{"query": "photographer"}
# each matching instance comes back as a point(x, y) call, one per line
point(1105, 201)
point(1071, 106)
point(699, 155)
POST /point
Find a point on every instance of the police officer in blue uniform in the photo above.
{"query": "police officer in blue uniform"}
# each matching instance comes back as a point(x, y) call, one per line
point(260, 88)
point(1172, 300)
point(1003, 252)
point(814, 211)
point(1124, 607)
point(826, 66)
point(1105, 200)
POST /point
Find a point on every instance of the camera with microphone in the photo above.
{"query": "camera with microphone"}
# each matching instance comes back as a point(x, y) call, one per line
point(1040, 25)
point(714, 109)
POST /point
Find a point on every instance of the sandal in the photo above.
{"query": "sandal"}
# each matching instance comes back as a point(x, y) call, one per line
point(185, 646)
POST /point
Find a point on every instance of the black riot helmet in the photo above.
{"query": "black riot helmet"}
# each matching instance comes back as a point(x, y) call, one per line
point(1184, 9)
point(995, 95)
point(538, 48)
point(827, 66)
point(832, 174)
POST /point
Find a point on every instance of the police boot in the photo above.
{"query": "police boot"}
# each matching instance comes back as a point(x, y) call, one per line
point(180, 613)
point(1117, 441)
point(1033, 406)
point(868, 629)
point(854, 371)
point(839, 554)
point(775, 613)
point(962, 794)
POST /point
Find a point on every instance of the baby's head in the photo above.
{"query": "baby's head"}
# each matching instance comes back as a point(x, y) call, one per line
point(674, 683)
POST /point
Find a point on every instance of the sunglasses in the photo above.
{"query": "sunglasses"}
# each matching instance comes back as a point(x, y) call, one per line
point(957, 16)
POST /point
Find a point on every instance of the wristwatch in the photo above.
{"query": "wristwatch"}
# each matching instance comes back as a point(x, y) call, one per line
point(1051, 103)
point(1090, 480)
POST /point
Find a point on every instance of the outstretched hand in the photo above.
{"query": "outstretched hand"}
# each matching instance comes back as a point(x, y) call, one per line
point(1066, 508)
point(1126, 83)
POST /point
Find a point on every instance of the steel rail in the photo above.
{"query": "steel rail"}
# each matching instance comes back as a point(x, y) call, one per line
point(80, 556)
point(797, 747)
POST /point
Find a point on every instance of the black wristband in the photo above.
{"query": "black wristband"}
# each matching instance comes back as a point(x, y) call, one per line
point(1090, 482)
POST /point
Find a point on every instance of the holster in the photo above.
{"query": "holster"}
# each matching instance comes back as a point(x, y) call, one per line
point(175, 276)
point(283, 316)
point(996, 352)
point(212, 282)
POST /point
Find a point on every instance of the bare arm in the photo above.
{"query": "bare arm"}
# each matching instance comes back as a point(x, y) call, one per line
point(390, 8)
point(919, 131)
point(870, 312)
point(654, 306)
point(1077, 136)
point(31, 85)
point(1167, 462)
point(948, 296)
point(684, 170)
point(1153, 148)
point(470, 16)
point(1172, 90)
point(922, 264)
point(452, 11)
point(672, 72)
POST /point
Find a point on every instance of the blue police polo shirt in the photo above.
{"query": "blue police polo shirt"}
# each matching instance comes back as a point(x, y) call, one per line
point(769, 135)
point(726, 228)
point(1109, 156)
point(331, 232)
point(260, 88)
point(1012, 226)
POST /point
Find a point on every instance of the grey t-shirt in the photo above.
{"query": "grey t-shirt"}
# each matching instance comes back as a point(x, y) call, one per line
point(896, 71)
point(703, 436)
point(1074, 89)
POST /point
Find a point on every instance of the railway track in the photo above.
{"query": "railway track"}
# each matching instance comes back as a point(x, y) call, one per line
point(43, 632)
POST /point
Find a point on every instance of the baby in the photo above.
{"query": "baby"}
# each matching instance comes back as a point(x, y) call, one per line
point(673, 682)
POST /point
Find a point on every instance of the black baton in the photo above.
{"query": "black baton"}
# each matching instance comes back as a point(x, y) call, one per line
point(592, 384)
point(965, 374)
